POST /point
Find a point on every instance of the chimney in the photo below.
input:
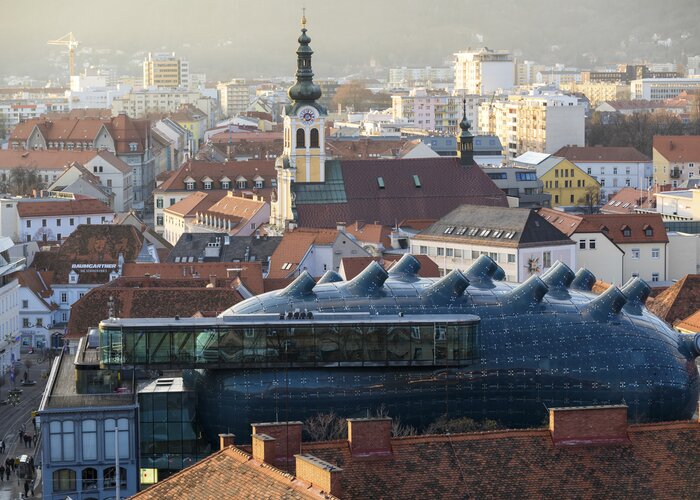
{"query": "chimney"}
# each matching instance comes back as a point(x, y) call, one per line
point(369, 436)
point(319, 473)
point(340, 226)
point(359, 224)
point(264, 448)
point(587, 425)
point(226, 440)
point(287, 436)
point(212, 280)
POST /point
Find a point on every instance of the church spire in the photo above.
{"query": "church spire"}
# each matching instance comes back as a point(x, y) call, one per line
point(304, 90)
point(465, 140)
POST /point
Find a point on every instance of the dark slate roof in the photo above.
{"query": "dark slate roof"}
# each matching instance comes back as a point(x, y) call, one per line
point(352, 191)
point(193, 245)
point(495, 226)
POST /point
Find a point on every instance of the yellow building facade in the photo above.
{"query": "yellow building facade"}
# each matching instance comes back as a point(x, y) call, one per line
point(569, 185)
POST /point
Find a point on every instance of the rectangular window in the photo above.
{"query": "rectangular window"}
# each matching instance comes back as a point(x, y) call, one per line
point(89, 428)
point(71, 221)
point(475, 254)
point(43, 222)
point(172, 200)
point(635, 253)
point(40, 322)
point(511, 258)
point(582, 244)
point(159, 220)
point(122, 439)
point(29, 223)
point(159, 202)
point(572, 198)
point(654, 276)
point(423, 250)
point(62, 440)
point(591, 244)
point(655, 253)
point(25, 304)
point(64, 297)
point(449, 252)
point(546, 259)
point(25, 322)
point(440, 252)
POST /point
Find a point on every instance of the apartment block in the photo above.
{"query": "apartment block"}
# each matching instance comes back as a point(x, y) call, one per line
point(483, 71)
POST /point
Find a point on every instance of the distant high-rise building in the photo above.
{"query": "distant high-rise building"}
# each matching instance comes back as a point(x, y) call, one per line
point(484, 71)
point(235, 96)
point(165, 70)
point(418, 76)
point(539, 122)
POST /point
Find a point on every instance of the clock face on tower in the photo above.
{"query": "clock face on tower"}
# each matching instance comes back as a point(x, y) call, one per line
point(307, 115)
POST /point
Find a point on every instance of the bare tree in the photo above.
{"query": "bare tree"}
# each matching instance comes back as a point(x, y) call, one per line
point(590, 199)
point(326, 427)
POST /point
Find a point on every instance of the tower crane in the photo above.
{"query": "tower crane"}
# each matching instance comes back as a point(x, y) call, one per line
point(70, 42)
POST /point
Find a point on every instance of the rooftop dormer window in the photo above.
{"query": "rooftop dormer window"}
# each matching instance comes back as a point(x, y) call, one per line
point(626, 231)
point(648, 231)
point(189, 186)
point(133, 146)
point(207, 185)
point(225, 184)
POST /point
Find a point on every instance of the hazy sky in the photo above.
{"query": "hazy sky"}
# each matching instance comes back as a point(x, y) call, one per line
point(228, 38)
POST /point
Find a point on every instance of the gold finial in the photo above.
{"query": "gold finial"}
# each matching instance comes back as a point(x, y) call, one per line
point(303, 18)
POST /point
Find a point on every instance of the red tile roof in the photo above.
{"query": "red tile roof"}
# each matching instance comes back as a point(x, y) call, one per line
point(198, 170)
point(678, 148)
point(236, 137)
point(601, 154)
point(149, 298)
point(627, 199)
point(228, 474)
point(444, 185)
point(679, 301)
point(691, 323)
point(370, 233)
point(89, 244)
point(364, 148)
point(651, 461)
point(86, 206)
point(43, 159)
point(612, 225)
point(198, 201)
point(294, 246)
point(615, 224)
point(250, 273)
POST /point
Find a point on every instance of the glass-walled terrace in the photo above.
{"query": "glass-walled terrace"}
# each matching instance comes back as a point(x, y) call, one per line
point(316, 344)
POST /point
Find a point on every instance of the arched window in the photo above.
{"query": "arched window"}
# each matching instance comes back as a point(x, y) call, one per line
point(123, 438)
point(314, 138)
point(64, 480)
point(89, 438)
point(301, 139)
point(110, 479)
point(89, 479)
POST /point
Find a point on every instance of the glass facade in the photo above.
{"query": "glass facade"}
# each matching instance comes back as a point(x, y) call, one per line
point(170, 438)
point(377, 343)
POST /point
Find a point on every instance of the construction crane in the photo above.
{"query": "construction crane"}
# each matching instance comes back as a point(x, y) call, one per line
point(70, 42)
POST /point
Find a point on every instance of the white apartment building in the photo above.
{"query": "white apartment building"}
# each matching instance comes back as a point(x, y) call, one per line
point(9, 310)
point(139, 103)
point(616, 247)
point(403, 76)
point(36, 313)
point(434, 110)
point(519, 240)
point(536, 122)
point(484, 71)
point(50, 219)
point(660, 89)
point(165, 70)
point(235, 96)
point(613, 167)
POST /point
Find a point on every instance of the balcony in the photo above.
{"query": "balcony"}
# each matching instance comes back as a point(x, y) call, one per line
point(675, 173)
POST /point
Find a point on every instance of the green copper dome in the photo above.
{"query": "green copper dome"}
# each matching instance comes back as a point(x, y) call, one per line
point(304, 90)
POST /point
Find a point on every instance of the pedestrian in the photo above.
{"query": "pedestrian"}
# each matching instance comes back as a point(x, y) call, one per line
point(2, 473)
point(21, 433)
point(25, 376)
point(7, 473)
point(2, 446)
point(35, 438)
point(26, 488)
point(31, 486)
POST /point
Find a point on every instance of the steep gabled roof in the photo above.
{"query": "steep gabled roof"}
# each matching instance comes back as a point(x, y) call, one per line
point(691, 323)
point(198, 169)
point(679, 301)
point(678, 148)
point(43, 159)
point(616, 224)
point(627, 200)
point(198, 201)
point(495, 226)
point(564, 222)
point(601, 154)
point(294, 246)
point(388, 191)
point(149, 298)
point(55, 208)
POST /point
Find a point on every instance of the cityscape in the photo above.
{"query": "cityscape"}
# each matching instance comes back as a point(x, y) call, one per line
point(380, 250)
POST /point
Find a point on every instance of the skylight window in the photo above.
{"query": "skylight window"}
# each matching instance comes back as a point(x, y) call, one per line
point(416, 181)
point(485, 232)
point(380, 182)
point(496, 234)
point(473, 231)
point(461, 231)
point(286, 266)
point(449, 230)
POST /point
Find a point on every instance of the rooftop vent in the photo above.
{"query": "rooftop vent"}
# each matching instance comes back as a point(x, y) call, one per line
point(416, 181)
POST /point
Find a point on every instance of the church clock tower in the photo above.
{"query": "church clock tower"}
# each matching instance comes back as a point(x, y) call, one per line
point(465, 140)
point(303, 158)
